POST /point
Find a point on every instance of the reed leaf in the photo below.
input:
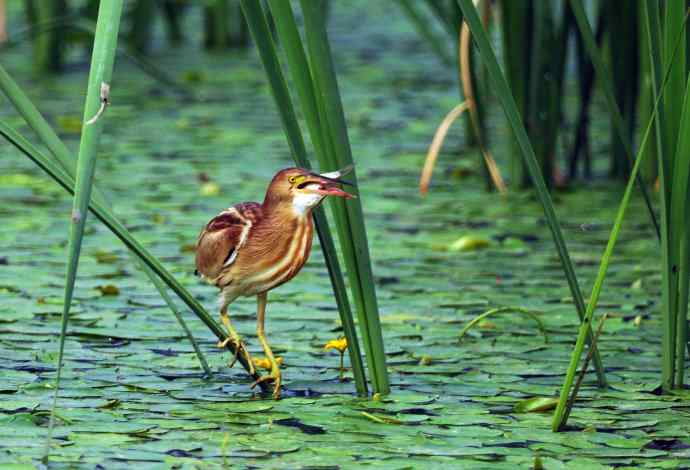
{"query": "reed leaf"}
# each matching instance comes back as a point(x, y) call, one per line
point(260, 31)
point(585, 328)
point(64, 158)
point(646, 95)
point(680, 200)
point(447, 13)
point(105, 215)
point(673, 27)
point(505, 97)
point(605, 78)
point(466, 80)
point(87, 26)
point(97, 96)
point(349, 217)
point(514, 32)
point(286, 27)
point(583, 369)
point(654, 37)
point(423, 27)
point(48, 50)
point(436, 143)
point(470, 104)
point(673, 236)
point(561, 414)
point(526, 312)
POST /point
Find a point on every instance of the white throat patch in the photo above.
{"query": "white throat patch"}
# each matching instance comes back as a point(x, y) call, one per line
point(301, 203)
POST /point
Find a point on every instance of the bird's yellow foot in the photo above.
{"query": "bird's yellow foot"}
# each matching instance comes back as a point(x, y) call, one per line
point(274, 377)
point(239, 348)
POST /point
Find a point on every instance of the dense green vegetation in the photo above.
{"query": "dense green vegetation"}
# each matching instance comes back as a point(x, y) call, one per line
point(477, 307)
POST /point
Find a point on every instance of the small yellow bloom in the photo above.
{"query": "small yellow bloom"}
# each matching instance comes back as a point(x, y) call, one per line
point(264, 363)
point(209, 189)
point(339, 344)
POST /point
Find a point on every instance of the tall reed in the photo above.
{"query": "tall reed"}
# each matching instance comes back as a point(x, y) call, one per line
point(316, 86)
point(605, 77)
point(106, 216)
point(260, 31)
point(67, 162)
point(673, 229)
point(97, 96)
point(674, 157)
point(502, 90)
point(48, 49)
point(624, 58)
point(349, 217)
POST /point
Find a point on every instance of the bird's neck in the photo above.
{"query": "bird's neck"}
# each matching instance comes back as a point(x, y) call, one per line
point(285, 210)
point(298, 207)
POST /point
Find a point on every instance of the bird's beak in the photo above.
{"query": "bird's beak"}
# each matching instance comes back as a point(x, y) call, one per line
point(329, 183)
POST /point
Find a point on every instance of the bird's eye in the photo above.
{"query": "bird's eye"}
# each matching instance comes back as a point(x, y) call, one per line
point(292, 179)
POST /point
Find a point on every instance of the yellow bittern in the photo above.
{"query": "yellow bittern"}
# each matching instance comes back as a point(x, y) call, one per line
point(252, 248)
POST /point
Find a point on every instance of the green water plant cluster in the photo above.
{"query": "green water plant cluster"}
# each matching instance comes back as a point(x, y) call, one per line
point(77, 177)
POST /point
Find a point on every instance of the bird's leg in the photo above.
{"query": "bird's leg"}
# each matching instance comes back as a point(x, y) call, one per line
point(235, 338)
point(274, 376)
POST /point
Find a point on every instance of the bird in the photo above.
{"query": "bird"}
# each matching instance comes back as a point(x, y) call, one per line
point(252, 248)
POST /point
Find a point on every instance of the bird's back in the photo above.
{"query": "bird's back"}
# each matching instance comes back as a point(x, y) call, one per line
point(246, 250)
point(222, 238)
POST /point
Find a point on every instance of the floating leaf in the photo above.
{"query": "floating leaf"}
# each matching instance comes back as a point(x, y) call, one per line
point(469, 243)
point(209, 189)
point(381, 419)
point(536, 405)
point(109, 289)
point(105, 257)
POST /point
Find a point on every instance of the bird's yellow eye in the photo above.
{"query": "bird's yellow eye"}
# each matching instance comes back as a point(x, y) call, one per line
point(296, 179)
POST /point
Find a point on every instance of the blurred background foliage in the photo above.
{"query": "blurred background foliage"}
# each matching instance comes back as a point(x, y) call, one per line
point(538, 40)
point(615, 49)
point(558, 57)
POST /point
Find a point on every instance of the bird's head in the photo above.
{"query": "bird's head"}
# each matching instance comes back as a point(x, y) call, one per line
point(305, 189)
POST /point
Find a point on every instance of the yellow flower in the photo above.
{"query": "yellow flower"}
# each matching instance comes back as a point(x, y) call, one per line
point(339, 344)
point(209, 189)
point(264, 363)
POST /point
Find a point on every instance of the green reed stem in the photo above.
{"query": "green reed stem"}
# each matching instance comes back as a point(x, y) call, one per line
point(260, 31)
point(653, 28)
point(505, 96)
point(349, 217)
point(97, 97)
point(286, 28)
point(560, 417)
point(529, 313)
point(423, 27)
point(105, 215)
point(65, 159)
point(604, 76)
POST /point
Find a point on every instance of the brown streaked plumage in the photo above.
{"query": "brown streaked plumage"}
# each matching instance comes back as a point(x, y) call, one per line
point(251, 248)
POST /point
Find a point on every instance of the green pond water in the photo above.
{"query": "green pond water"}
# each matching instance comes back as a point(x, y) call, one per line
point(133, 391)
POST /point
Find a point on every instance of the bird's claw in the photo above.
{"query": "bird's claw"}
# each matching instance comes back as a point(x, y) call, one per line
point(250, 363)
point(239, 348)
point(274, 377)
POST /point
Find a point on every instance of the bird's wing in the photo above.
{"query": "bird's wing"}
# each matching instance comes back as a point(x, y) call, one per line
point(223, 237)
